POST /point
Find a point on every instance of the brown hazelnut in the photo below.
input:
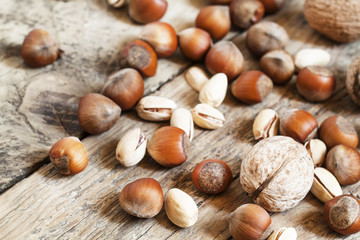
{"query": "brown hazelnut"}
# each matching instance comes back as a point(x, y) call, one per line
point(272, 6)
point(125, 87)
point(277, 173)
point(278, 65)
point(249, 221)
point(142, 198)
point(225, 57)
point(212, 176)
point(244, 13)
point(337, 130)
point(298, 124)
point(344, 162)
point(194, 42)
point(97, 113)
point(215, 20)
point(145, 11)
point(169, 146)
point(264, 37)
point(39, 49)
point(315, 83)
point(69, 156)
point(342, 214)
point(161, 36)
point(140, 56)
point(353, 81)
point(251, 87)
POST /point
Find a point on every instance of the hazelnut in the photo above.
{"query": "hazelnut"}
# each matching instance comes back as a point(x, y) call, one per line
point(142, 198)
point(124, 87)
point(145, 11)
point(161, 36)
point(249, 221)
point(272, 6)
point(180, 208)
point(251, 87)
point(266, 124)
point(342, 214)
point(69, 156)
point(338, 130)
point(277, 173)
point(212, 176)
point(244, 13)
point(215, 20)
point(196, 77)
point(317, 151)
point(169, 146)
point(353, 81)
point(140, 56)
point(97, 113)
point(311, 57)
point(194, 43)
point(225, 57)
point(264, 37)
point(298, 124)
point(315, 83)
point(40, 49)
point(278, 65)
point(344, 162)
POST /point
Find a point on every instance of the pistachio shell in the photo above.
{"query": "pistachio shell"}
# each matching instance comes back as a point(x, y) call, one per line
point(311, 57)
point(196, 78)
point(283, 234)
point(214, 91)
point(154, 108)
point(266, 124)
point(183, 119)
point(207, 117)
point(325, 186)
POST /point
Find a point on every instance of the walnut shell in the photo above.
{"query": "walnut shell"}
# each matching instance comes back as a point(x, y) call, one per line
point(353, 81)
point(277, 173)
point(339, 20)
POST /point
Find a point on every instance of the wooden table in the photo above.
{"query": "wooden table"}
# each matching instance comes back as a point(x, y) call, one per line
point(39, 106)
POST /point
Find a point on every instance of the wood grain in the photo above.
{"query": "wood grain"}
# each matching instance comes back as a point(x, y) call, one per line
point(39, 106)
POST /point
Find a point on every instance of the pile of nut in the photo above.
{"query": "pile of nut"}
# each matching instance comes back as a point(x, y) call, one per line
point(277, 173)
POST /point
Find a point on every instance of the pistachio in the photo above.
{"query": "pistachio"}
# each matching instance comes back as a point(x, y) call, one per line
point(206, 116)
point(180, 208)
point(311, 57)
point(154, 108)
point(196, 78)
point(182, 118)
point(283, 234)
point(131, 148)
point(266, 124)
point(213, 92)
point(317, 151)
point(325, 186)
point(116, 3)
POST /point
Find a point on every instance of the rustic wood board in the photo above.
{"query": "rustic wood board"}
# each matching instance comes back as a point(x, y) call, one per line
point(39, 107)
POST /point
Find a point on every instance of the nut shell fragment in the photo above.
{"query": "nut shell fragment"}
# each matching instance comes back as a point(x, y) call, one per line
point(266, 124)
point(325, 185)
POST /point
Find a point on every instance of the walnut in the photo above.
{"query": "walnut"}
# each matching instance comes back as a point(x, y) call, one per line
point(277, 173)
point(339, 20)
point(353, 81)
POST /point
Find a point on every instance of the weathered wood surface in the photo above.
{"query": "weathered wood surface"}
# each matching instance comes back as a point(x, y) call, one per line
point(39, 107)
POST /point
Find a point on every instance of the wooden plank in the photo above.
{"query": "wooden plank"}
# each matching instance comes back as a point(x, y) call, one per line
point(48, 205)
point(40, 105)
